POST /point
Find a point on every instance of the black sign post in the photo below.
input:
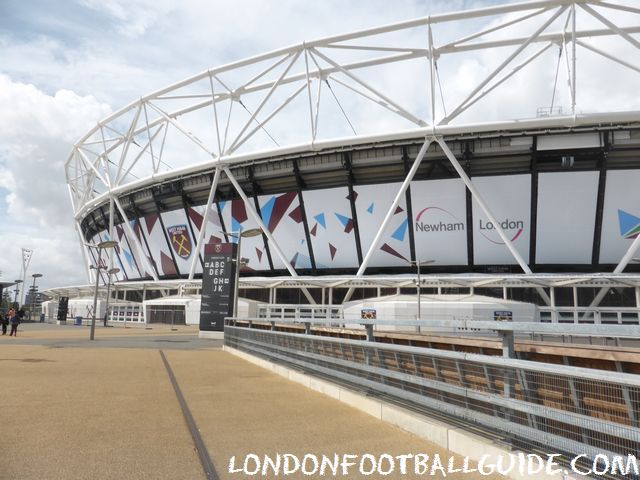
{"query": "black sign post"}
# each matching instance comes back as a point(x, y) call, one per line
point(63, 306)
point(217, 286)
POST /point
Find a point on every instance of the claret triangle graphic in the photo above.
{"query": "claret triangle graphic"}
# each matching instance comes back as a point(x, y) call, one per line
point(629, 224)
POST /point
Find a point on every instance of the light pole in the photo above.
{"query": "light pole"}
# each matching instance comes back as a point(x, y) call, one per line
point(252, 232)
point(419, 264)
point(100, 247)
point(110, 272)
point(33, 292)
point(17, 291)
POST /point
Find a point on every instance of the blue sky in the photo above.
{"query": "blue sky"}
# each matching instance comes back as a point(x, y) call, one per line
point(65, 65)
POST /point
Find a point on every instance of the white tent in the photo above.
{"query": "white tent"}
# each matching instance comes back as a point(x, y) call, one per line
point(189, 305)
point(440, 307)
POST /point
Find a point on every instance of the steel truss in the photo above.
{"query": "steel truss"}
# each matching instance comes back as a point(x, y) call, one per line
point(311, 96)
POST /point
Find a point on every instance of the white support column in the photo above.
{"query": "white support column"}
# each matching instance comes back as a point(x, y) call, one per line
point(272, 241)
point(631, 252)
point(403, 188)
point(85, 256)
point(504, 293)
point(129, 231)
point(573, 59)
point(111, 236)
point(205, 219)
point(575, 304)
point(554, 314)
point(483, 206)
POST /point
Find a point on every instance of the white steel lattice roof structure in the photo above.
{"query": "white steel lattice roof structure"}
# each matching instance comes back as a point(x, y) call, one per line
point(432, 79)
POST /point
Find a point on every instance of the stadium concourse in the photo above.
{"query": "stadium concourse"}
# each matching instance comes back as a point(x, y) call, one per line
point(343, 174)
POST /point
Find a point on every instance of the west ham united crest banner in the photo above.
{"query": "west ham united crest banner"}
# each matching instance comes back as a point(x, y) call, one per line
point(180, 240)
point(218, 282)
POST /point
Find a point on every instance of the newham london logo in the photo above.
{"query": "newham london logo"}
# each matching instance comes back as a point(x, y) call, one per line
point(629, 224)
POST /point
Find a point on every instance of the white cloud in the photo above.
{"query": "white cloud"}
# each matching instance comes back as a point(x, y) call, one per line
point(63, 75)
point(36, 133)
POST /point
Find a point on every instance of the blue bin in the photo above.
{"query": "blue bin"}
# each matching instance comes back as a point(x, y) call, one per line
point(42, 318)
point(78, 321)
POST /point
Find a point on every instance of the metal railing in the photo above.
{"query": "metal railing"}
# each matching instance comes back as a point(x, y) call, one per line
point(300, 312)
point(531, 405)
point(546, 314)
point(603, 315)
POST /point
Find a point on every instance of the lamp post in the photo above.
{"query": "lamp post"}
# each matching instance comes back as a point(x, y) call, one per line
point(33, 292)
point(252, 232)
point(100, 247)
point(17, 291)
point(419, 264)
point(110, 272)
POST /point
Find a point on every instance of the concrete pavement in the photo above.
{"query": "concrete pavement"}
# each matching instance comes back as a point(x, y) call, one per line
point(74, 409)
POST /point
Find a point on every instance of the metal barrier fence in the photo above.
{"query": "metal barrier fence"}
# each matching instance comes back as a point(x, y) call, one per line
point(546, 314)
point(531, 405)
point(285, 311)
point(587, 315)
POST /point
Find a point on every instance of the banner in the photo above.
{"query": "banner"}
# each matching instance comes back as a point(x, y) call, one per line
point(621, 215)
point(440, 221)
point(372, 204)
point(508, 197)
point(566, 217)
point(218, 285)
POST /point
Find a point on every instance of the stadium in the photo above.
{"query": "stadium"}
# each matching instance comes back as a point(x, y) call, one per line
point(491, 151)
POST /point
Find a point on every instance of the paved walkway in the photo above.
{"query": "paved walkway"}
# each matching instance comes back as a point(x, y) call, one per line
point(74, 409)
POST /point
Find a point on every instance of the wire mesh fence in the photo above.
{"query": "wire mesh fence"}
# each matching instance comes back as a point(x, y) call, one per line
point(531, 405)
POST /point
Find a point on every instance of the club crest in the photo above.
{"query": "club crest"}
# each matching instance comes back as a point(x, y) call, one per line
point(180, 240)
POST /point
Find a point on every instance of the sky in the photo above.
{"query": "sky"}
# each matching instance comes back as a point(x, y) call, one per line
point(66, 65)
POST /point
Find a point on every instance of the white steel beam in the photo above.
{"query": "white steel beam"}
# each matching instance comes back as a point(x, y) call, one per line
point(399, 110)
point(485, 208)
point(266, 98)
point(403, 188)
point(186, 132)
point(205, 220)
point(272, 241)
point(129, 231)
point(462, 106)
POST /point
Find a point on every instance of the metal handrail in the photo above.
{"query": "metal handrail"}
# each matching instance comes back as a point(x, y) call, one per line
point(610, 331)
point(627, 379)
point(533, 405)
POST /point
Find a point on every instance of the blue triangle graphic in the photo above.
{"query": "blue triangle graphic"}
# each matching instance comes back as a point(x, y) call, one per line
point(320, 219)
point(401, 231)
point(235, 227)
point(342, 219)
point(267, 210)
point(627, 222)
point(128, 256)
point(370, 209)
point(222, 205)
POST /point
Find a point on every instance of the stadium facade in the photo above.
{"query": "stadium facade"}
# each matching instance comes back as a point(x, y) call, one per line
point(362, 154)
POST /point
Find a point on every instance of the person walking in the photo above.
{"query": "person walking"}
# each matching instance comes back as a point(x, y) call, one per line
point(5, 321)
point(13, 320)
